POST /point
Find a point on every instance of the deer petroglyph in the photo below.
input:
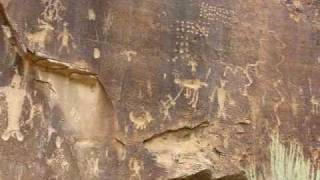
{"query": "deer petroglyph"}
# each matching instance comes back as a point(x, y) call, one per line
point(191, 87)
point(38, 39)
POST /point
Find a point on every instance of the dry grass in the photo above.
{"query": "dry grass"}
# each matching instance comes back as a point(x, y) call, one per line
point(286, 163)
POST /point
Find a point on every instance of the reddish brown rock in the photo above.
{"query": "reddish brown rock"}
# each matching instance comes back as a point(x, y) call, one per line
point(193, 89)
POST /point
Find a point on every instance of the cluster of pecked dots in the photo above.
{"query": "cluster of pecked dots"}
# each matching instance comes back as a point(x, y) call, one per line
point(214, 13)
point(182, 49)
point(193, 28)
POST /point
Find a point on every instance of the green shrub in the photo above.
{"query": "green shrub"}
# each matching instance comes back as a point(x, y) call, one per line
point(286, 163)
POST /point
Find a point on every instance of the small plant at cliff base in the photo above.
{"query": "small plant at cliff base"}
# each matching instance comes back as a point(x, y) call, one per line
point(251, 173)
point(290, 163)
point(287, 163)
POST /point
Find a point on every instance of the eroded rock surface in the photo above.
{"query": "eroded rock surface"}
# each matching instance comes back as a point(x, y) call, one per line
point(149, 89)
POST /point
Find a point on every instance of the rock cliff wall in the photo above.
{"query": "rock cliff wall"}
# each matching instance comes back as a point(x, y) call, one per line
point(170, 89)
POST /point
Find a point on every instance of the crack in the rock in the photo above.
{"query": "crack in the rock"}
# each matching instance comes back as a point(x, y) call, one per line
point(120, 141)
point(36, 58)
point(188, 128)
point(56, 65)
point(13, 39)
point(46, 83)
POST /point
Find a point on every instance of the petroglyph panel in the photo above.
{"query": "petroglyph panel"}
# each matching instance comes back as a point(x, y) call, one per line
point(118, 89)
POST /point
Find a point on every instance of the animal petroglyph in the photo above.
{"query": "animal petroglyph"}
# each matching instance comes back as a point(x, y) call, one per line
point(191, 87)
point(244, 70)
point(38, 39)
point(65, 37)
point(135, 166)
point(129, 54)
point(53, 10)
point(315, 105)
point(15, 95)
point(141, 121)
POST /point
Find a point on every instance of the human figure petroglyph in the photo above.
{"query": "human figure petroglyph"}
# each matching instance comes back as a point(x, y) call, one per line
point(65, 37)
point(129, 54)
point(221, 98)
point(108, 22)
point(294, 106)
point(166, 106)
point(141, 121)
point(136, 167)
point(193, 64)
point(39, 38)
point(15, 94)
point(149, 88)
point(191, 87)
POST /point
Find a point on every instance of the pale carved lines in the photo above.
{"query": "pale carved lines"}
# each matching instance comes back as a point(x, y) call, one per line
point(50, 17)
point(141, 120)
point(129, 54)
point(135, 166)
point(53, 10)
point(315, 102)
point(108, 21)
point(315, 105)
point(39, 38)
point(215, 13)
point(65, 37)
point(15, 94)
point(168, 104)
point(191, 87)
point(188, 32)
point(223, 97)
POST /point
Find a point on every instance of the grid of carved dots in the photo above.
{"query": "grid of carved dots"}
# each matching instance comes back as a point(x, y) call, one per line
point(186, 29)
point(214, 13)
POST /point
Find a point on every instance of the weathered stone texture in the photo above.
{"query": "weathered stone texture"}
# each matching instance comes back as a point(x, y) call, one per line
point(150, 89)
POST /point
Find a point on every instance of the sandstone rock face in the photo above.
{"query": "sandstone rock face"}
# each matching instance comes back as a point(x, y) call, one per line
point(149, 89)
